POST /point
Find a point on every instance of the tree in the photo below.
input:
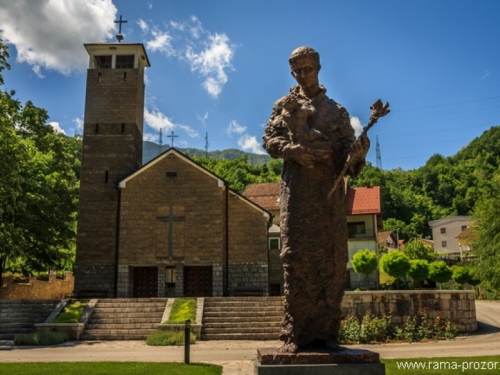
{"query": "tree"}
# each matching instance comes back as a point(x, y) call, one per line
point(419, 270)
point(417, 250)
point(38, 188)
point(486, 243)
point(364, 261)
point(440, 272)
point(395, 264)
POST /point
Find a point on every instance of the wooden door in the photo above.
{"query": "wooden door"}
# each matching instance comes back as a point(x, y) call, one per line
point(198, 281)
point(145, 282)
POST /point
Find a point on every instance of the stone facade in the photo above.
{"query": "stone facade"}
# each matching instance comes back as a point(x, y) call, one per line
point(457, 306)
point(176, 214)
point(35, 289)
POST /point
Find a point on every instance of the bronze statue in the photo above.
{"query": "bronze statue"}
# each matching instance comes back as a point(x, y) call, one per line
point(313, 135)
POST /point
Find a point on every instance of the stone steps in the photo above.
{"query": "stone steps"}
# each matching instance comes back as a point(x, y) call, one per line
point(124, 319)
point(20, 316)
point(242, 318)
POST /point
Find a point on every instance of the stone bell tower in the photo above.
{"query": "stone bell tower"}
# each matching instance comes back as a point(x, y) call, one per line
point(112, 149)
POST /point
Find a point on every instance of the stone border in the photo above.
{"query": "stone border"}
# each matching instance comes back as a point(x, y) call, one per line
point(74, 330)
point(195, 328)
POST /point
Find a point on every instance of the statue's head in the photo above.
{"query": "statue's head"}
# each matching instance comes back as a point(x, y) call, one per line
point(304, 53)
point(305, 66)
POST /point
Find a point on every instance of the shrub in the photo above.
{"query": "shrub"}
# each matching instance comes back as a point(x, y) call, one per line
point(171, 337)
point(42, 338)
point(373, 329)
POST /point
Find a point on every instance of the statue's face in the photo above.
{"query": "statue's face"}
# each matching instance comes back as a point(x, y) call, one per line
point(305, 71)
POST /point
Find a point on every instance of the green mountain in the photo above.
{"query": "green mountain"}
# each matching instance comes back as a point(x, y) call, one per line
point(151, 150)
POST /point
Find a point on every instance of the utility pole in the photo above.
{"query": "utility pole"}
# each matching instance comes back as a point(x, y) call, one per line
point(206, 144)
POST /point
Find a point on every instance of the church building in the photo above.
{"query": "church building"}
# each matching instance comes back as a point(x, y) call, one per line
point(166, 228)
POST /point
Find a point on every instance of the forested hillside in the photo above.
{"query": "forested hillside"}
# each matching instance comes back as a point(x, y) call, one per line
point(443, 186)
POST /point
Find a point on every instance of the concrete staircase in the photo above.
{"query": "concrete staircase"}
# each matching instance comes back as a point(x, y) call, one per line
point(20, 316)
point(242, 318)
point(124, 319)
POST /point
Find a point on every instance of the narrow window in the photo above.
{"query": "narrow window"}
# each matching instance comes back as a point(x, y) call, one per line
point(274, 244)
point(106, 177)
point(123, 127)
point(125, 76)
point(96, 128)
point(171, 174)
point(99, 76)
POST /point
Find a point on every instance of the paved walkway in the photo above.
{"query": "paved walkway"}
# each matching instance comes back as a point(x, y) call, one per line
point(236, 356)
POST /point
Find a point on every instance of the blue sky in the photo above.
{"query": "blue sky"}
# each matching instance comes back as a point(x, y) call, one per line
point(218, 66)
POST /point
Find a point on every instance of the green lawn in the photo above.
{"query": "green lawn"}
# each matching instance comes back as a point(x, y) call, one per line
point(101, 368)
point(437, 366)
point(443, 366)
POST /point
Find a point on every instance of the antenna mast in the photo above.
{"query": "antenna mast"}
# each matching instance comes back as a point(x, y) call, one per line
point(160, 142)
point(379, 158)
point(206, 144)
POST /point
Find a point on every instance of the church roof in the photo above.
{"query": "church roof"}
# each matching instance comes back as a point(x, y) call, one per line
point(359, 201)
point(265, 195)
point(173, 152)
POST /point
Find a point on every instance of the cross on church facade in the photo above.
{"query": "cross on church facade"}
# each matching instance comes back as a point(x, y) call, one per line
point(170, 219)
point(172, 136)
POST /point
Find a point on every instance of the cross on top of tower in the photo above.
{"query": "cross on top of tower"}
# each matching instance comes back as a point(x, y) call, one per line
point(119, 36)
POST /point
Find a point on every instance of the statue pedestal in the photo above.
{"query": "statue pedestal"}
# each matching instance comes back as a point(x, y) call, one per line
point(318, 362)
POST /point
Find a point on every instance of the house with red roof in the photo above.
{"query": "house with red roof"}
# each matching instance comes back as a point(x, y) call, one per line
point(363, 208)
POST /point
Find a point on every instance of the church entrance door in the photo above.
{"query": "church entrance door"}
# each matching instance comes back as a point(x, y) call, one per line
point(145, 282)
point(198, 281)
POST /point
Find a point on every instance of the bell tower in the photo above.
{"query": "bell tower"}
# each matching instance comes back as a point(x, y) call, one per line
point(112, 149)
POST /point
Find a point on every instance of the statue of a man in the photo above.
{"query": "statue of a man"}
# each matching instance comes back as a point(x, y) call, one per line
point(313, 135)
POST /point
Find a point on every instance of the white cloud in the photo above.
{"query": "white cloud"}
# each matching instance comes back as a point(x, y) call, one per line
point(49, 34)
point(189, 131)
point(143, 25)
point(160, 42)
point(78, 123)
point(210, 55)
point(203, 119)
point(57, 127)
point(357, 126)
point(212, 61)
point(150, 137)
point(157, 120)
point(234, 127)
point(249, 143)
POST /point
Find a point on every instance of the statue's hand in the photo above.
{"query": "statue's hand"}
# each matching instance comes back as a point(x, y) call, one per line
point(359, 148)
point(305, 156)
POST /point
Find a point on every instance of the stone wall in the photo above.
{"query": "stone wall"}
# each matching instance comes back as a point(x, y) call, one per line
point(248, 276)
point(457, 306)
point(35, 289)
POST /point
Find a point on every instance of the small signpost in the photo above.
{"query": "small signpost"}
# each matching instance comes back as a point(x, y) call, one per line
point(187, 340)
